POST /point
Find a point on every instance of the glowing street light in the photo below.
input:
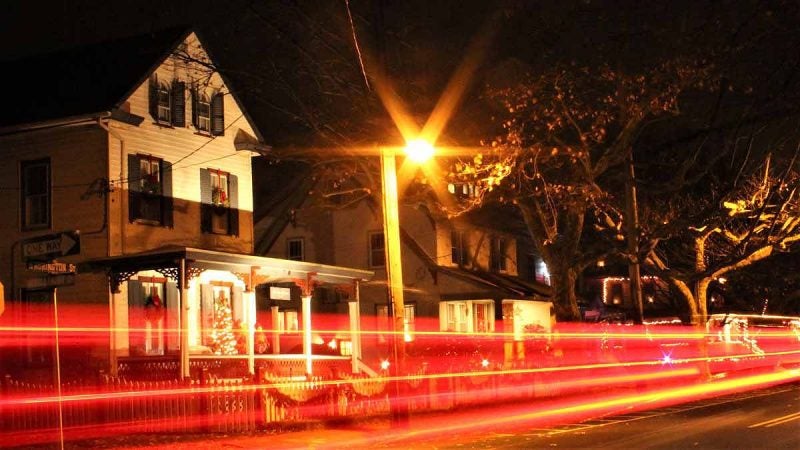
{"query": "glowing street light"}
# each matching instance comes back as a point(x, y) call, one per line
point(419, 151)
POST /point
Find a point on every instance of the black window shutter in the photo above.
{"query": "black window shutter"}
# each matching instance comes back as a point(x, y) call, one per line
point(153, 94)
point(195, 101)
point(134, 174)
point(167, 201)
point(205, 201)
point(218, 114)
point(233, 213)
point(178, 105)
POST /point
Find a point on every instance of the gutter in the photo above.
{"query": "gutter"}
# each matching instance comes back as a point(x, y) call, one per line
point(64, 121)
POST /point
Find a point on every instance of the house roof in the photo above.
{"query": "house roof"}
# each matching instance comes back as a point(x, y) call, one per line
point(82, 81)
point(503, 284)
point(91, 81)
point(506, 285)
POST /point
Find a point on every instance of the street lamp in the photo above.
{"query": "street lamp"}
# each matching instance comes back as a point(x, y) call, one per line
point(419, 151)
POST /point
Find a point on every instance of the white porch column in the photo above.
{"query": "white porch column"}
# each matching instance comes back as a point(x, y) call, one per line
point(276, 333)
point(112, 333)
point(184, 323)
point(354, 310)
point(307, 332)
point(249, 306)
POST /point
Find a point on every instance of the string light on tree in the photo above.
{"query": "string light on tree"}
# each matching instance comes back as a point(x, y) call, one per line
point(223, 340)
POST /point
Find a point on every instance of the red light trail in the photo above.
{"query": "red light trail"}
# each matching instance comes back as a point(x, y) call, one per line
point(577, 371)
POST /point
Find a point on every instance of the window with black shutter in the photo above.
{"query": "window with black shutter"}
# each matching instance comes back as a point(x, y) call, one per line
point(201, 111)
point(164, 106)
point(149, 190)
point(219, 213)
point(168, 102)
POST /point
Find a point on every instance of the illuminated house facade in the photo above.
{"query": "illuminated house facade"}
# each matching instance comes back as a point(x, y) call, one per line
point(606, 289)
point(459, 275)
point(144, 157)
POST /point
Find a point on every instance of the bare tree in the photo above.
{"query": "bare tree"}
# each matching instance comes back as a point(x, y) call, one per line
point(753, 221)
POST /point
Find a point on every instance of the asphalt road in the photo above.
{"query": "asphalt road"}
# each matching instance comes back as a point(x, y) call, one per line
point(761, 419)
point(764, 419)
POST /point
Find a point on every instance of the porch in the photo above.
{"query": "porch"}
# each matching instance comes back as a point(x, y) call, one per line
point(175, 311)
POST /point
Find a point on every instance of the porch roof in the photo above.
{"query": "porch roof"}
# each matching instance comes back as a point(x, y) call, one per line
point(265, 270)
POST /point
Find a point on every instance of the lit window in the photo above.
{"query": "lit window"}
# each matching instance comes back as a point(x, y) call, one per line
point(382, 321)
point(294, 249)
point(148, 316)
point(220, 198)
point(408, 323)
point(482, 318)
point(377, 248)
point(150, 175)
point(287, 321)
point(164, 104)
point(462, 190)
point(542, 273)
point(204, 114)
point(35, 194)
point(147, 188)
point(456, 317)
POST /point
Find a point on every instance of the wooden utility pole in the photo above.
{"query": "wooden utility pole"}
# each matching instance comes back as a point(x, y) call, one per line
point(632, 232)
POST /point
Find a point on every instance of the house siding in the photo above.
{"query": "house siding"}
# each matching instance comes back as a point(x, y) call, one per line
point(189, 151)
point(77, 160)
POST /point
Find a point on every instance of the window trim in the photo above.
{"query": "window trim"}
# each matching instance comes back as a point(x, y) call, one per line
point(203, 99)
point(48, 195)
point(371, 255)
point(458, 248)
point(497, 254)
point(147, 195)
point(160, 108)
point(289, 242)
point(220, 217)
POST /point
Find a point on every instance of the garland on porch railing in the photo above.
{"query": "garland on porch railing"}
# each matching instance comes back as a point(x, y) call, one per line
point(287, 392)
point(365, 386)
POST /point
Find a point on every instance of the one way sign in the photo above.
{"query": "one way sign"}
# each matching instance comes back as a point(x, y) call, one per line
point(51, 246)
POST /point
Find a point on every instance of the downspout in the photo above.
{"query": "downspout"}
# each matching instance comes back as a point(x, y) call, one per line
point(121, 177)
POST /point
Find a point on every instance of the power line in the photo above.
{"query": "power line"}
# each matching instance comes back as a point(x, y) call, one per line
point(128, 179)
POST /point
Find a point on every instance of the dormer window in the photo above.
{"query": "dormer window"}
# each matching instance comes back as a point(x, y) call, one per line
point(208, 112)
point(204, 114)
point(168, 102)
point(164, 105)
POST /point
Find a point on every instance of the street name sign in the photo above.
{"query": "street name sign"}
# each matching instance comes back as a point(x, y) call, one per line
point(52, 267)
point(51, 246)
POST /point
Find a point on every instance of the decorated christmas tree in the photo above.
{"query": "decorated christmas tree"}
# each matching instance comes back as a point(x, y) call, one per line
point(223, 340)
